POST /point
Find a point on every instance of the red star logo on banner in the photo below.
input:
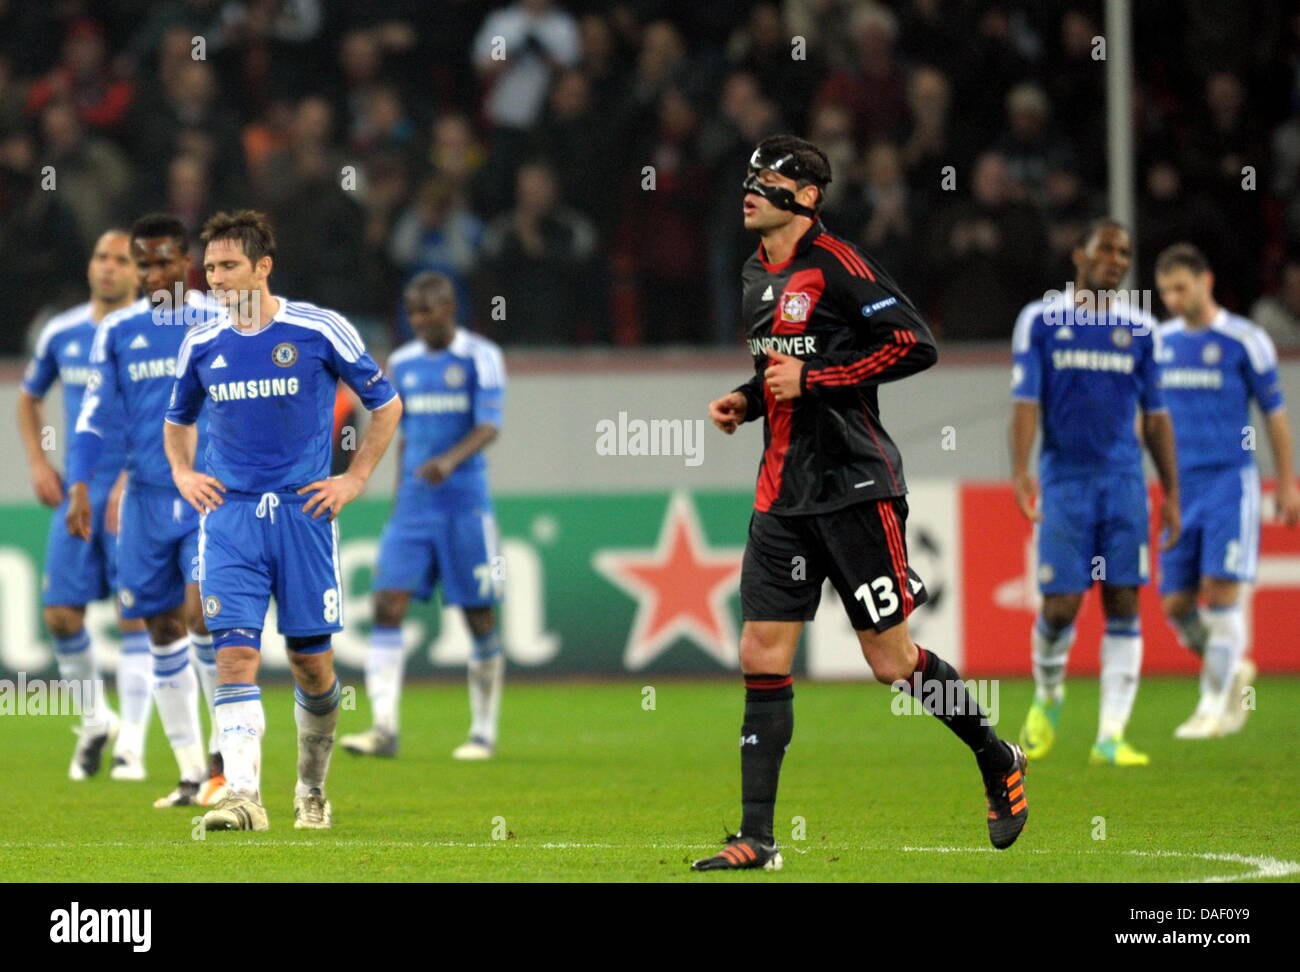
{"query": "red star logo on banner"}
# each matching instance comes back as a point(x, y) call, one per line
point(681, 588)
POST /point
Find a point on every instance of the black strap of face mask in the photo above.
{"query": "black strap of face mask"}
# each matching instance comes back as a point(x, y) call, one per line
point(779, 197)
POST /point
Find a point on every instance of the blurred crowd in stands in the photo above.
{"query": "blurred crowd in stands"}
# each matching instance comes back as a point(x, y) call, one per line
point(575, 166)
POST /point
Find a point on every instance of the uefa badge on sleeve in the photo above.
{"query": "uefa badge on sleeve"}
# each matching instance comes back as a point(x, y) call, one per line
point(284, 354)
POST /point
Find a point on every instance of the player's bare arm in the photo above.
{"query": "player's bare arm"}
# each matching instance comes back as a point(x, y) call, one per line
point(45, 478)
point(78, 517)
point(1158, 433)
point(331, 495)
point(1288, 496)
point(113, 509)
point(1024, 429)
point(201, 491)
point(440, 467)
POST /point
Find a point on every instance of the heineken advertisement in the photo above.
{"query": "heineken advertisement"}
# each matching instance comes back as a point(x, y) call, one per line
point(621, 583)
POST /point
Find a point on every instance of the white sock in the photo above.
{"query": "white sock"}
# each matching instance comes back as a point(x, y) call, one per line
point(134, 693)
point(316, 716)
point(76, 659)
point(205, 663)
point(384, 664)
point(243, 724)
point(1223, 650)
point(176, 690)
point(1193, 632)
point(1121, 664)
point(487, 667)
point(1051, 652)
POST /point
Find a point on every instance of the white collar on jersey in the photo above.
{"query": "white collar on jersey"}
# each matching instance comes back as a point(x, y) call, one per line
point(278, 315)
point(460, 345)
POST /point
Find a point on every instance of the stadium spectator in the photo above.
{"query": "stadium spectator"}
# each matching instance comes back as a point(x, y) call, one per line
point(91, 174)
point(1076, 87)
point(661, 227)
point(1069, 208)
point(437, 232)
point(186, 114)
point(1279, 312)
point(1168, 214)
point(311, 148)
point(188, 196)
point(988, 256)
point(516, 52)
point(40, 239)
point(766, 49)
point(726, 141)
point(1030, 145)
point(535, 259)
point(877, 213)
point(164, 23)
point(599, 60)
point(832, 131)
point(874, 90)
point(320, 229)
point(83, 80)
point(405, 90)
point(1230, 149)
point(825, 25)
point(456, 153)
point(577, 143)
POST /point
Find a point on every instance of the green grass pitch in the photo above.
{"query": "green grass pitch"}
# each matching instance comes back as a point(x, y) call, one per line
point(591, 786)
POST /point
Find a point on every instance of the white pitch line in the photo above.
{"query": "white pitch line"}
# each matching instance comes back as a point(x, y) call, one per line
point(1264, 867)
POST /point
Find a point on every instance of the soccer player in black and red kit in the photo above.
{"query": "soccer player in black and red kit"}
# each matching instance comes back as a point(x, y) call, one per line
point(826, 325)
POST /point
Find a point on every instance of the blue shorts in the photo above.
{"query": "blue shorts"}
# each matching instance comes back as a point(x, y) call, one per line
point(1220, 535)
point(1089, 517)
point(79, 571)
point(254, 546)
point(157, 550)
point(454, 548)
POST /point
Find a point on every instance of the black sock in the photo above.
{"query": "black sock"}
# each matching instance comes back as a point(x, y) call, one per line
point(943, 695)
point(764, 736)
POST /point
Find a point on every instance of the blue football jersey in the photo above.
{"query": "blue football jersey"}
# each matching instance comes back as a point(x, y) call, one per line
point(1089, 372)
point(133, 365)
point(269, 396)
point(445, 394)
point(63, 353)
point(1209, 376)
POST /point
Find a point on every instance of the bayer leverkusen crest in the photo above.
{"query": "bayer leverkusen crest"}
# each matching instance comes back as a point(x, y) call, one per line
point(795, 307)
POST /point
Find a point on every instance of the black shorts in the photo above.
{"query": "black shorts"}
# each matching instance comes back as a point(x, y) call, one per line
point(861, 548)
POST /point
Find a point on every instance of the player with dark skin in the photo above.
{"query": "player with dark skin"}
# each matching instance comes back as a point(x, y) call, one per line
point(769, 646)
point(161, 267)
point(112, 281)
point(1100, 265)
point(431, 310)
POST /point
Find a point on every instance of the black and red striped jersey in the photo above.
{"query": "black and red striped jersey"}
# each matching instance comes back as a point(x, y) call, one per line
point(835, 308)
